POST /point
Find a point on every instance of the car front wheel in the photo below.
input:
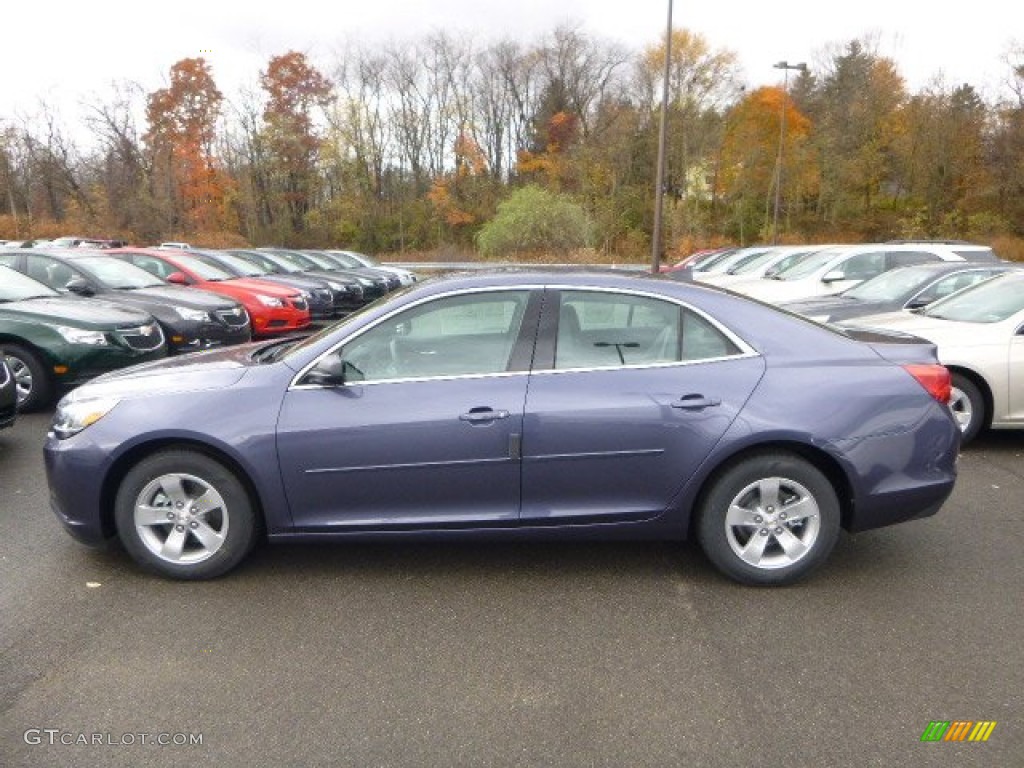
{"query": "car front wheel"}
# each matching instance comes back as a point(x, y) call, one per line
point(184, 515)
point(33, 387)
point(769, 520)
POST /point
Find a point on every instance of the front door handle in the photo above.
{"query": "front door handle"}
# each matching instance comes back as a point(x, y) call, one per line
point(483, 415)
point(695, 402)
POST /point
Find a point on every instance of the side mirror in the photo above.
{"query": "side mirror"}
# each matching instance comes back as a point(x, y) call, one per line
point(178, 278)
point(332, 371)
point(917, 303)
point(833, 277)
point(80, 287)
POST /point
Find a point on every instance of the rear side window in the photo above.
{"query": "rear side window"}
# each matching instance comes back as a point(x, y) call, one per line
point(610, 330)
point(907, 258)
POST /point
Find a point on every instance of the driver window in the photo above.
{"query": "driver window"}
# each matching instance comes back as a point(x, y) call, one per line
point(863, 266)
point(453, 336)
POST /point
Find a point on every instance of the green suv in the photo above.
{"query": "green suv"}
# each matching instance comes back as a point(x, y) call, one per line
point(54, 343)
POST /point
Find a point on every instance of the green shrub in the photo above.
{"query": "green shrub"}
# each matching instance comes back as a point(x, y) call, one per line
point(532, 219)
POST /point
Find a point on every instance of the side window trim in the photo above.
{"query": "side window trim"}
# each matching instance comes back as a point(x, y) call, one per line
point(522, 348)
point(544, 357)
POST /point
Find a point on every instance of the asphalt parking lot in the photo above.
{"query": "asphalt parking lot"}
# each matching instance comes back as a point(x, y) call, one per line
point(515, 655)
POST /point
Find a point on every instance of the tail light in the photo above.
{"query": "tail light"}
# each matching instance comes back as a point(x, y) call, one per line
point(934, 378)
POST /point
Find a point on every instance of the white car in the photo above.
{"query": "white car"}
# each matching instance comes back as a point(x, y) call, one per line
point(404, 275)
point(979, 332)
point(757, 265)
point(832, 270)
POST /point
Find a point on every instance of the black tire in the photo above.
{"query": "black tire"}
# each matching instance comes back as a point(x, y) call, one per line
point(968, 406)
point(201, 540)
point(33, 385)
point(748, 546)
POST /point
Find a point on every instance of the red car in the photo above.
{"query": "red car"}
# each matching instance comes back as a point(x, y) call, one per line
point(273, 308)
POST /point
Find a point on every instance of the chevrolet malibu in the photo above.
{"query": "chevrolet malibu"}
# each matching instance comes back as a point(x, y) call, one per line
point(516, 404)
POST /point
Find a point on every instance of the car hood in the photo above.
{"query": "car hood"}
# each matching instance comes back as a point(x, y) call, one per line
point(194, 372)
point(175, 296)
point(835, 308)
point(81, 313)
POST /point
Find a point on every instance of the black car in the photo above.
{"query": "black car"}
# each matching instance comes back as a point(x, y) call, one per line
point(374, 286)
point(327, 299)
point(191, 319)
point(895, 289)
point(332, 259)
point(8, 394)
point(284, 263)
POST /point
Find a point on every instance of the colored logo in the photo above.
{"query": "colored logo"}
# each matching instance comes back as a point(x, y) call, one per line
point(958, 730)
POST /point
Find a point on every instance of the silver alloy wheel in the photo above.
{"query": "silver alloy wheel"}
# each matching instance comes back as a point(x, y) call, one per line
point(772, 523)
point(963, 411)
point(22, 378)
point(181, 518)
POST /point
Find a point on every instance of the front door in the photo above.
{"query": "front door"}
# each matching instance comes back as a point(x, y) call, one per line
point(426, 429)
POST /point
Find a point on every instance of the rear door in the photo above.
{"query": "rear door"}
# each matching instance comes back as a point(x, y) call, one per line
point(629, 394)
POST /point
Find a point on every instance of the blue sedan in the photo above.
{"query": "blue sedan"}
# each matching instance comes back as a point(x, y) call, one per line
point(516, 404)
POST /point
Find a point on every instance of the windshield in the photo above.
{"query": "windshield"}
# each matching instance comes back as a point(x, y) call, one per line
point(15, 286)
point(732, 260)
point(784, 263)
point(115, 273)
point(891, 285)
point(319, 261)
point(287, 263)
point(801, 268)
point(712, 261)
point(201, 268)
point(989, 302)
point(235, 264)
point(362, 258)
point(343, 260)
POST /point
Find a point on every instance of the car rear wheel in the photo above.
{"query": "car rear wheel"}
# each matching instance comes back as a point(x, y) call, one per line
point(968, 407)
point(769, 519)
point(184, 515)
point(33, 386)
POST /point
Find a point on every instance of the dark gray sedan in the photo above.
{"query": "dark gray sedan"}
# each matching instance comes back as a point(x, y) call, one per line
point(903, 288)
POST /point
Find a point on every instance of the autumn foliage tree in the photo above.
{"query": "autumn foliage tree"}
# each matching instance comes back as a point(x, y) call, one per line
point(749, 169)
point(185, 177)
point(295, 91)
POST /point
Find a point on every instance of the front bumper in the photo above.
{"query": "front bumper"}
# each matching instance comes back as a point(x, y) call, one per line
point(74, 469)
point(190, 336)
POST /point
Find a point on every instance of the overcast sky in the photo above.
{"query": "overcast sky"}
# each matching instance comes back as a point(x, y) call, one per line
point(66, 51)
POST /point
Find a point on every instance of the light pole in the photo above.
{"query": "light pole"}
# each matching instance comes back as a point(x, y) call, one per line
point(785, 66)
point(659, 184)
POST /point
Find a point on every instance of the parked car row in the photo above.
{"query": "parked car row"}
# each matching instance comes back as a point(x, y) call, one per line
point(64, 311)
point(957, 295)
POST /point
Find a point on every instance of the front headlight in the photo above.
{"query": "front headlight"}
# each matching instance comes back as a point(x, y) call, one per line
point(195, 315)
point(81, 336)
point(72, 416)
point(269, 301)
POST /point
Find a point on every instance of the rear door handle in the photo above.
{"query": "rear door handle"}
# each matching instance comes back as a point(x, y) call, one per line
point(695, 402)
point(483, 415)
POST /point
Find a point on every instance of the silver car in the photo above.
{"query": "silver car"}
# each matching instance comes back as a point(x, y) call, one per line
point(979, 332)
